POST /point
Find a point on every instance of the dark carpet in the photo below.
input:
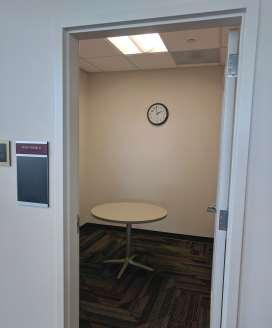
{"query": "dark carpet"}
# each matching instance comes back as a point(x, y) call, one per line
point(175, 295)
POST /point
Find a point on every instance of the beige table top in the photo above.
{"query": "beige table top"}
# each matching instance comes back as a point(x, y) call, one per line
point(129, 212)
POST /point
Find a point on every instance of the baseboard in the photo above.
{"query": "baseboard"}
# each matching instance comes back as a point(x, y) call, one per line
point(150, 232)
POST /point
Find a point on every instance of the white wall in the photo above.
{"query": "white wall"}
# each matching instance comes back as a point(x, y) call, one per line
point(124, 157)
point(256, 280)
point(30, 57)
point(28, 236)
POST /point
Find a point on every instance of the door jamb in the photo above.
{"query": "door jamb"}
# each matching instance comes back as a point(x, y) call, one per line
point(243, 105)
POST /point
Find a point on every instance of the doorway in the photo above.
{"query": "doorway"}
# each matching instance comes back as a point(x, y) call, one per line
point(73, 83)
point(125, 157)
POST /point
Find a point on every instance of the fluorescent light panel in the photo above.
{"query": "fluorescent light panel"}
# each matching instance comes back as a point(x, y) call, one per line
point(141, 43)
point(149, 42)
point(125, 45)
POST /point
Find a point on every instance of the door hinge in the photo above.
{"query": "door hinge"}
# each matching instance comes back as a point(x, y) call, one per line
point(233, 65)
point(223, 220)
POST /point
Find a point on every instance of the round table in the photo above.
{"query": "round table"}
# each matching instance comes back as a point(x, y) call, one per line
point(129, 213)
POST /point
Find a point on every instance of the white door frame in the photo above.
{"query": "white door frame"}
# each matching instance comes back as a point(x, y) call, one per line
point(69, 119)
point(223, 179)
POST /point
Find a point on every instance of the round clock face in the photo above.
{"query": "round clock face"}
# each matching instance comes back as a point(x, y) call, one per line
point(157, 114)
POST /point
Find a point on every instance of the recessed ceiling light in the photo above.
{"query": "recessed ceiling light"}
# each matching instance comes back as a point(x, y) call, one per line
point(141, 43)
point(125, 45)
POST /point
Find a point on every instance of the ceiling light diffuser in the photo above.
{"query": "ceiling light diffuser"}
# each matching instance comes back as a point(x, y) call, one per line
point(149, 42)
point(141, 43)
point(125, 45)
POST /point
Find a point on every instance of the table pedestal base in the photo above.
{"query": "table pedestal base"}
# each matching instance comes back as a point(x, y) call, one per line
point(129, 259)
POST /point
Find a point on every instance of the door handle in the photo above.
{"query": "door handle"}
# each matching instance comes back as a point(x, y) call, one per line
point(211, 209)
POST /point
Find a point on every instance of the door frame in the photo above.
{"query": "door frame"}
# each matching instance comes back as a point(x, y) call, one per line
point(67, 123)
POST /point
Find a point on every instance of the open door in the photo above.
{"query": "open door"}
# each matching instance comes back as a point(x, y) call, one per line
point(221, 209)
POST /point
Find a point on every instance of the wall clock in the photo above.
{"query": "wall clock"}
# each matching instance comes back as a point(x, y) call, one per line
point(157, 114)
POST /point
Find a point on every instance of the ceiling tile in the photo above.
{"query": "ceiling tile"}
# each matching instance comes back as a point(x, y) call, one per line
point(97, 48)
point(115, 63)
point(88, 67)
point(192, 39)
point(202, 56)
point(152, 61)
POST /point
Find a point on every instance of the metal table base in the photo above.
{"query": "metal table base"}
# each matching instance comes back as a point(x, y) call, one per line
point(129, 259)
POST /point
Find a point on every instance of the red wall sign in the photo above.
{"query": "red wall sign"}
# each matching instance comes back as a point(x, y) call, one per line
point(31, 148)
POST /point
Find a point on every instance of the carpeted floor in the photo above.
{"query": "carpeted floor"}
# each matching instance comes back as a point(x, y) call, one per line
point(176, 295)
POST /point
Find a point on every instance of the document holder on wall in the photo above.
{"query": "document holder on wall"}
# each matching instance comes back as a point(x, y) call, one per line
point(32, 173)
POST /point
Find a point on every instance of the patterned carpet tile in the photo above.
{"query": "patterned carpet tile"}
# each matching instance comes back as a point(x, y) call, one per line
point(175, 295)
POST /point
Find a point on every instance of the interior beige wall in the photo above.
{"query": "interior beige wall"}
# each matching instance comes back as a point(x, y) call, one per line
point(124, 157)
